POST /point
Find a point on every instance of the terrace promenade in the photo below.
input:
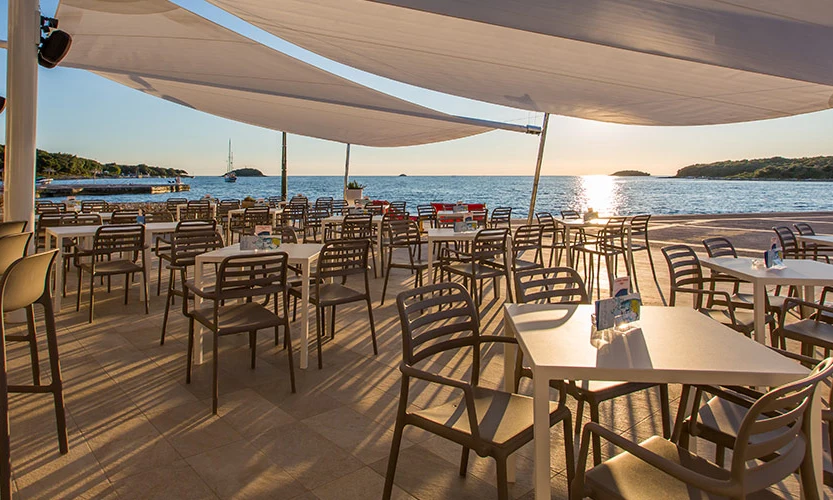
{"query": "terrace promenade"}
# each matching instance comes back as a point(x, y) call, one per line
point(137, 430)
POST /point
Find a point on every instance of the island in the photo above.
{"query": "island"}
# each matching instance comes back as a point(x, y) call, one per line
point(630, 173)
point(246, 172)
point(70, 166)
point(776, 168)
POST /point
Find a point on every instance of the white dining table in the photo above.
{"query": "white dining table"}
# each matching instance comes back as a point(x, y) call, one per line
point(822, 241)
point(61, 233)
point(303, 255)
point(672, 345)
point(806, 274)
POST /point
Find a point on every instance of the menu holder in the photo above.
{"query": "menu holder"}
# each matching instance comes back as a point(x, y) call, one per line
point(467, 225)
point(247, 242)
point(460, 208)
point(614, 317)
point(774, 258)
point(265, 239)
point(140, 219)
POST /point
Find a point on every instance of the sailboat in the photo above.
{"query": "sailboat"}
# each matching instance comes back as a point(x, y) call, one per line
point(230, 176)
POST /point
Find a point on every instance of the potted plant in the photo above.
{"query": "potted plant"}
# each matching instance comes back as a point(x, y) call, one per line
point(248, 202)
point(353, 191)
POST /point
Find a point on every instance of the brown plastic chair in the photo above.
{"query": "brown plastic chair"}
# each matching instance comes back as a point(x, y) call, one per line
point(339, 207)
point(570, 214)
point(93, 206)
point(492, 423)
point(361, 227)
point(398, 206)
point(314, 222)
point(427, 216)
point(172, 203)
point(122, 245)
point(641, 243)
point(151, 217)
point(241, 278)
point(223, 209)
point(12, 227)
point(686, 276)
point(805, 229)
point(252, 217)
point(196, 210)
point(339, 260)
point(186, 245)
point(563, 285)
point(162, 245)
point(296, 214)
point(125, 216)
point(658, 468)
point(788, 242)
point(501, 216)
point(488, 258)
point(528, 238)
point(609, 244)
point(24, 284)
point(556, 235)
point(404, 235)
point(812, 332)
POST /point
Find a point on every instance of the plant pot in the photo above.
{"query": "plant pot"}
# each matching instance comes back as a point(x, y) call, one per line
point(351, 195)
point(247, 204)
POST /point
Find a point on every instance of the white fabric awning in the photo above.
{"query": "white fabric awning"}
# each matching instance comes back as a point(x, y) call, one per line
point(650, 62)
point(164, 50)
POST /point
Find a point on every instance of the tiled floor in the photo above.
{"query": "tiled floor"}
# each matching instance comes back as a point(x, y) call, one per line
point(137, 430)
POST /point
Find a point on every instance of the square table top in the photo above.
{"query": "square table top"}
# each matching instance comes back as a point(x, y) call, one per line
point(448, 234)
point(819, 239)
point(800, 272)
point(80, 231)
point(297, 252)
point(338, 219)
point(672, 345)
point(576, 223)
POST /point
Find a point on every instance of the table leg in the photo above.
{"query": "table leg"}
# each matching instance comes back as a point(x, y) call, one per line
point(379, 247)
point(430, 261)
point(759, 305)
point(568, 246)
point(200, 331)
point(541, 433)
point(305, 277)
point(59, 268)
point(146, 261)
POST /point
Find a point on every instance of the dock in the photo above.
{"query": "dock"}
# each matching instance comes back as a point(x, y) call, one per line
point(88, 189)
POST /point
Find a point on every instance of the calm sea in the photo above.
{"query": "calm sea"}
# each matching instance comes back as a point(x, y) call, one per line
point(610, 195)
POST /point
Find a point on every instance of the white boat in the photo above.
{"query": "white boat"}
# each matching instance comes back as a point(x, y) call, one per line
point(230, 176)
point(43, 181)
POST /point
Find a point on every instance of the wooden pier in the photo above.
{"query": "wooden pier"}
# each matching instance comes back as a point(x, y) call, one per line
point(89, 189)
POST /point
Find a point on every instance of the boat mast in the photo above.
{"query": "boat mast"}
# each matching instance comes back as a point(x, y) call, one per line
point(230, 165)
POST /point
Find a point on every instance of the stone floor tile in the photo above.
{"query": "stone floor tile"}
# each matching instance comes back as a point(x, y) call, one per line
point(359, 485)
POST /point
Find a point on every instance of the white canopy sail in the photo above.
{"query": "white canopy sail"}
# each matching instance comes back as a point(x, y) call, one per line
point(164, 50)
point(649, 62)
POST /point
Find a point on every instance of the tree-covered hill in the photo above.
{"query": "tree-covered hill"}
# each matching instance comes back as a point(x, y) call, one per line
point(818, 167)
point(630, 173)
point(67, 165)
point(248, 172)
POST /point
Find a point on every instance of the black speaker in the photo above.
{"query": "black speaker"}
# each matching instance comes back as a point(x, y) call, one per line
point(54, 48)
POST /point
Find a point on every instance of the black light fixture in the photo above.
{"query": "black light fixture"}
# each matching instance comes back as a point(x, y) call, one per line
point(54, 43)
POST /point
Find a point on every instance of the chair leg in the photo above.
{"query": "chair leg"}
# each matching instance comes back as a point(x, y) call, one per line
point(215, 391)
point(333, 323)
point(464, 461)
point(159, 279)
point(319, 311)
point(569, 451)
point(127, 282)
point(190, 354)
point(253, 342)
point(393, 458)
point(597, 442)
point(78, 295)
point(502, 483)
point(33, 343)
point(57, 381)
point(287, 341)
point(385, 285)
point(665, 410)
point(92, 295)
point(372, 326)
point(579, 415)
point(145, 285)
point(167, 311)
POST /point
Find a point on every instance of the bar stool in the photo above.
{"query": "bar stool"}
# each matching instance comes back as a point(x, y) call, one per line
point(25, 284)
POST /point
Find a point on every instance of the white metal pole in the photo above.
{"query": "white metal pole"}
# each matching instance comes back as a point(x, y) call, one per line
point(346, 169)
point(21, 111)
point(538, 168)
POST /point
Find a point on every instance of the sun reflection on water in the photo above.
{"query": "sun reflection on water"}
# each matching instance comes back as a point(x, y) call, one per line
point(602, 193)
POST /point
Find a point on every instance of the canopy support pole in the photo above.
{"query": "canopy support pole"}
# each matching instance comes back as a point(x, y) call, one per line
point(538, 168)
point(21, 112)
point(283, 166)
point(346, 170)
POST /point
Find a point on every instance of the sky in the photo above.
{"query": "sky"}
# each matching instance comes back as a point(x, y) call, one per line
point(86, 115)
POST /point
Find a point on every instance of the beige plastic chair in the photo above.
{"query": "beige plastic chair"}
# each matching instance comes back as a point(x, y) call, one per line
point(556, 235)
point(24, 284)
point(501, 217)
point(122, 246)
point(231, 311)
point(563, 285)
point(403, 235)
point(12, 227)
point(439, 319)
point(659, 469)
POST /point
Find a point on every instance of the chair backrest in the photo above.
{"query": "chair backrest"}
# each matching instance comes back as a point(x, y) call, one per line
point(570, 214)
point(172, 203)
point(195, 212)
point(85, 220)
point(225, 205)
point(403, 233)
point(527, 238)
point(288, 235)
point(719, 247)
point(325, 202)
point(639, 225)
point(357, 226)
point(774, 424)
point(501, 215)
point(298, 211)
point(55, 219)
point(26, 281)
point(158, 217)
point(426, 331)
point(399, 206)
point(339, 207)
point(393, 215)
point(12, 247)
point(374, 209)
point(545, 219)
point(187, 244)
point(197, 225)
point(47, 208)
point(93, 206)
point(342, 258)
point(12, 227)
point(786, 238)
point(804, 229)
point(256, 216)
point(124, 217)
point(121, 238)
point(316, 215)
point(243, 276)
point(426, 212)
point(489, 243)
point(684, 269)
point(561, 285)
point(611, 236)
